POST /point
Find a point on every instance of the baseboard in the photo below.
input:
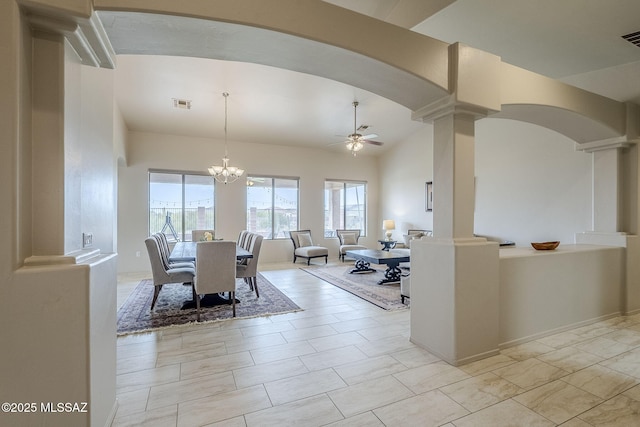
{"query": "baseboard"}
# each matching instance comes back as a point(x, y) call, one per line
point(459, 362)
point(550, 332)
point(632, 312)
point(112, 413)
point(476, 357)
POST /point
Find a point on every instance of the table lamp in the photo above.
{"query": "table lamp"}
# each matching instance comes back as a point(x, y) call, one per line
point(388, 225)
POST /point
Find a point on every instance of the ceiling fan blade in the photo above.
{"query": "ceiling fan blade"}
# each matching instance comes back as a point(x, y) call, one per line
point(378, 143)
point(336, 143)
point(370, 136)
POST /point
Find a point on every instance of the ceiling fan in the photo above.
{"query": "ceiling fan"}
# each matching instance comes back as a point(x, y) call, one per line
point(355, 141)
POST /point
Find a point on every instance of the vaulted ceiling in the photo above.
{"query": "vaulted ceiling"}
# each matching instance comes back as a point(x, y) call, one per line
point(576, 41)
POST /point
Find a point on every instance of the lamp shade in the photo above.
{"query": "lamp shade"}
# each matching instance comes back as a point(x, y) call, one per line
point(388, 224)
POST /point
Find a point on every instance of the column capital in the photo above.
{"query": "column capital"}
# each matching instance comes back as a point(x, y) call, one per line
point(86, 35)
point(449, 106)
point(605, 144)
point(631, 136)
point(474, 86)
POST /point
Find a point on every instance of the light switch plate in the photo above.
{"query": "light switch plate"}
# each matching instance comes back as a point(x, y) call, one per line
point(87, 240)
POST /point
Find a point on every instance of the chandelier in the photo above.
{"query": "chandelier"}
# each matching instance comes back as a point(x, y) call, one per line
point(225, 173)
point(355, 141)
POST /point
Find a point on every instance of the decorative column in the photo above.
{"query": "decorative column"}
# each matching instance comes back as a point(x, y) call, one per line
point(611, 196)
point(63, 347)
point(454, 275)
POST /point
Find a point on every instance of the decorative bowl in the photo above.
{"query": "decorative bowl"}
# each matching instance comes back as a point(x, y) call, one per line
point(545, 246)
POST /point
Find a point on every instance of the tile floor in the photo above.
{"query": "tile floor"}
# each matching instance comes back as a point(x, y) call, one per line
point(345, 362)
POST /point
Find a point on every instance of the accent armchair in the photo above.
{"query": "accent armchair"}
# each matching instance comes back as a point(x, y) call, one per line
point(303, 246)
point(405, 281)
point(348, 241)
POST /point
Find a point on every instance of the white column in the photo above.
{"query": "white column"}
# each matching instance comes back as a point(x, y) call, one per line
point(607, 191)
point(607, 194)
point(453, 175)
point(48, 144)
point(608, 204)
point(454, 275)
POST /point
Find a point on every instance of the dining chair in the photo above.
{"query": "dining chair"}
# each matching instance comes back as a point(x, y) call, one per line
point(248, 269)
point(162, 275)
point(215, 270)
point(198, 235)
point(165, 251)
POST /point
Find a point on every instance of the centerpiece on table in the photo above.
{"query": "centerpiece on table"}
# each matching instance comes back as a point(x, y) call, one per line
point(207, 236)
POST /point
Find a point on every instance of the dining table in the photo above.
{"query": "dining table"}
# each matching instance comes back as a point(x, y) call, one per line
point(186, 251)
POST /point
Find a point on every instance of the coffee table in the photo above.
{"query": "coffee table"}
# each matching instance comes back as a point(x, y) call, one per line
point(391, 259)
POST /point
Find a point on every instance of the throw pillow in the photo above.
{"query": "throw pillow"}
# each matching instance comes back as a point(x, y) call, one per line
point(349, 239)
point(304, 239)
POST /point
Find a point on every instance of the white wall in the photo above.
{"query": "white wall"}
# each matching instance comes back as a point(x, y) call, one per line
point(153, 151)
point(531, 184)
point(404, 170)
point(572, 286)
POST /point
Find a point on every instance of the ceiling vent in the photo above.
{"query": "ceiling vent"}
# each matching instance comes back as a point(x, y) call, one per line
point(633, 38)
point(184, 104)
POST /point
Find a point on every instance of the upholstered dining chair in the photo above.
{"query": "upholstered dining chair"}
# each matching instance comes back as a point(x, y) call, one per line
point(248, 269)
point(215, 270)
point(303, 246)
point(165, 251)
point(348, 242)
point(162, 275)
point(198, 235)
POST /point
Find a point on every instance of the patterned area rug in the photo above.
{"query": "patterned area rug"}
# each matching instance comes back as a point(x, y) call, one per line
point(363, 285)
point(134, 315)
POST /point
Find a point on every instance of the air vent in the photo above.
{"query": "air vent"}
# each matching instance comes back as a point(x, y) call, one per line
point(633, 38)
point(184, 104)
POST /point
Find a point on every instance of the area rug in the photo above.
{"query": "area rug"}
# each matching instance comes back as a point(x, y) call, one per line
point(135, 314)
point(363, 285)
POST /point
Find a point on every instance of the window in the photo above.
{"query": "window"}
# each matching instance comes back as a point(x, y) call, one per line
point(272, 206)
point(179, 203)
point(345, 206)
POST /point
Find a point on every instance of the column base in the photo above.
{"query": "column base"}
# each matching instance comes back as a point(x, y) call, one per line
point(455, 298)
point(631, 286)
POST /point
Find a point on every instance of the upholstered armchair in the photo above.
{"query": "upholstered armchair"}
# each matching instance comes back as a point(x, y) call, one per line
point(412, 235)
point(348, 241)
point(405, 287)
point(303, 246)
point(405, 281)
